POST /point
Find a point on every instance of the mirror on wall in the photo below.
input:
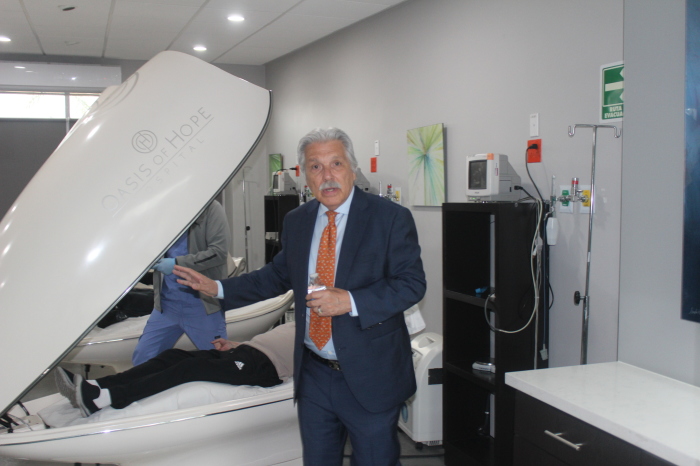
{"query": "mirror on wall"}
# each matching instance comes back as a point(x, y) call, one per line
point(691, 209)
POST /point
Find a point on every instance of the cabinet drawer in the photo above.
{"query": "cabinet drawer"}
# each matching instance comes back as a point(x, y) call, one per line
point(527, 454)
point(569, 439)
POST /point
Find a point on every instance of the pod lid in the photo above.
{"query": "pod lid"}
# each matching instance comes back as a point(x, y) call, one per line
point(125, 182)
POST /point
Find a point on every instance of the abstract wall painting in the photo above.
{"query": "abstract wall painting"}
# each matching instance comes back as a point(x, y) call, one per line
point(426, 165)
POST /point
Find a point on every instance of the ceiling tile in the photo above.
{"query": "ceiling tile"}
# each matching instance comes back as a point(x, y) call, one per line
point(381, 2)
point(244, 55)
point(71, 44)
point(20, 44)
point(139, 29)
point(187, 3)
point(10, 5)
point(134, 16)
point(89, 16)
point(215, 45)
point(218, 23)
point(338, 9)
point(273, 6)
point(296, 31)
point(135, 48)
point(15, 26)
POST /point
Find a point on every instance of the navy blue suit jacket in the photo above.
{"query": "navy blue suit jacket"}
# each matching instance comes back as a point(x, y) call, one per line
point(380, 265)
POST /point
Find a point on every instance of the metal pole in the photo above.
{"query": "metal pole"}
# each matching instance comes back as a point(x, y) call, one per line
point(245, 219)
point(586, 298)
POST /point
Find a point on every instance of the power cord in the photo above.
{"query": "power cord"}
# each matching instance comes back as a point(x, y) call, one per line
point(530, 196)
point(535, 267)
point(527, 168)
point(543, 351)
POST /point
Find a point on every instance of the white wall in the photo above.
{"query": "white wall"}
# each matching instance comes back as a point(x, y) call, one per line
point(481, 68)
point(248, 244)
point(652, 334)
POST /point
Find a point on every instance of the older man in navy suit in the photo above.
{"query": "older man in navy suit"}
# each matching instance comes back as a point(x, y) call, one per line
point(352, 359)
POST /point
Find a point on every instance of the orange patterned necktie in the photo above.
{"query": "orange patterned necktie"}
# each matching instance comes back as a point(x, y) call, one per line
point(320, 326)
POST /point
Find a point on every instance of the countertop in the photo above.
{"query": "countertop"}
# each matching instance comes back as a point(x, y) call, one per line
point(653, 412)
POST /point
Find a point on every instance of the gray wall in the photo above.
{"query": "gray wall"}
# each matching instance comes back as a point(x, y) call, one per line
point(481, 68)
point(652, 334)
point(22, 153)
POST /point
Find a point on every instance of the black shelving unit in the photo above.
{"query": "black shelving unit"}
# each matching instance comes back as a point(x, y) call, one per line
point(486, 250)
point(276, 207)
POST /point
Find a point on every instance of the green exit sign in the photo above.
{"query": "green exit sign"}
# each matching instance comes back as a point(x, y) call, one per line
point(612, 92)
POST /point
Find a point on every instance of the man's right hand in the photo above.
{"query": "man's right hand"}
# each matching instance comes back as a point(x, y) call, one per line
point(223, 344)
point(196, 280)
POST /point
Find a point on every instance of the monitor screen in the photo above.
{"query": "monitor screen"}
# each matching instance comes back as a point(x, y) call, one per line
point(477, 174)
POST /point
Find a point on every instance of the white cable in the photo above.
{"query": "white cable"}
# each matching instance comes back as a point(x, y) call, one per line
point(535, 283)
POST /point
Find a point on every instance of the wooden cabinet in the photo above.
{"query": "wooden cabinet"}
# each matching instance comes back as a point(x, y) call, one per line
point(547, 436)
point(487, 281)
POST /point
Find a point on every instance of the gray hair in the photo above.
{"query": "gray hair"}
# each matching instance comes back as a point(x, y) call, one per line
point(326, 135)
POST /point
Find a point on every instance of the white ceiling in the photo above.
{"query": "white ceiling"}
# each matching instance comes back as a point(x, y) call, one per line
point(139, 29)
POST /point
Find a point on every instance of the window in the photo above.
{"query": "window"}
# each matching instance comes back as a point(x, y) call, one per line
point(45, 105)
point(80, 103)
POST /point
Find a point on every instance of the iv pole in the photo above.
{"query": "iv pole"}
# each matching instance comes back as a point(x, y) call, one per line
point(245, 218)
point(577, 296)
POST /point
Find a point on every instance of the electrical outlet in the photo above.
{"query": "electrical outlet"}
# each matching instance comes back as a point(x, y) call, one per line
point(534, 155)
point(565, 207)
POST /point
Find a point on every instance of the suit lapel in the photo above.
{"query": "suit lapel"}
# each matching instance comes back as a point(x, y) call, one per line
point(354, 232)
point(306, 234)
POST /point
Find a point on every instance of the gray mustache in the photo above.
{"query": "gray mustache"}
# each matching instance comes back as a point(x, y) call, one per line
point(329, 184)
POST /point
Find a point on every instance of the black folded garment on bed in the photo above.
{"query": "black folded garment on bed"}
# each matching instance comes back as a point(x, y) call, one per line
point(135, 303)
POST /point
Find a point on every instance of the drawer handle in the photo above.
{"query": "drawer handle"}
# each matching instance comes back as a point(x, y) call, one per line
point(575, 446)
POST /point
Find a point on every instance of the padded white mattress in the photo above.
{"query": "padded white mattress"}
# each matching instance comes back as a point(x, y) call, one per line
point(184, 396)
point(133, 326)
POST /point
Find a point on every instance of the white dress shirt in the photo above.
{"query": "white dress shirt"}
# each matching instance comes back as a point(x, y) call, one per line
point(341, 220)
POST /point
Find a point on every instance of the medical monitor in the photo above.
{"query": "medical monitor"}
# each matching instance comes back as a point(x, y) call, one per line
point(282, 183)
point(490, 177)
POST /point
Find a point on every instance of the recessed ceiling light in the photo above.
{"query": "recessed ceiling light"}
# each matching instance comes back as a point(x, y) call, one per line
point(5, 39)
point(236, 18)
point(20, 67)
point(200, 48)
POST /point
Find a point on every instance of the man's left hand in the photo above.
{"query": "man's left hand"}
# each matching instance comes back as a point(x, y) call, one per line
point(329, 302)
point(196, 280)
